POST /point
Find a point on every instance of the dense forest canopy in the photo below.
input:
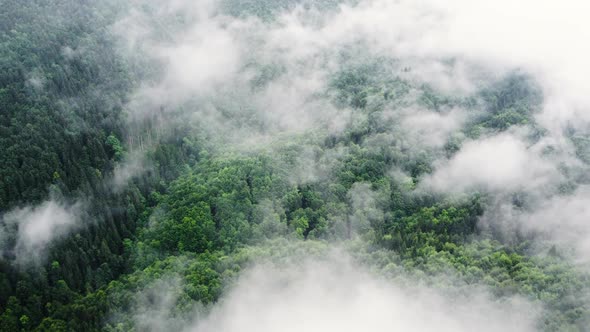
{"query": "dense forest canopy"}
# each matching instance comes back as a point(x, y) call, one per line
point(293, 165)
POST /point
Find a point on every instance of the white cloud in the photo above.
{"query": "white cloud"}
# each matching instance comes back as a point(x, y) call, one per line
point(542, 37)
point(336, 296)
point(483, 40)
point(499, 163)
point(37, 227)
point(562, 220)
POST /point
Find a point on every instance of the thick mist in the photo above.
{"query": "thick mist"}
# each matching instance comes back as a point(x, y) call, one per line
point(337, 296)
point(330, 291)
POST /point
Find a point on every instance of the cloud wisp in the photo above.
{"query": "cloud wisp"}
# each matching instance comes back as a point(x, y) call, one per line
point(36, 227)
point(498, 163)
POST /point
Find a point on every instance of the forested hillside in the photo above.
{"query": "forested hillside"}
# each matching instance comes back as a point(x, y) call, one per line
point(285, 166)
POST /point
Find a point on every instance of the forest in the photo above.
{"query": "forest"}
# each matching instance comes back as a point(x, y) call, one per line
point(292, 165)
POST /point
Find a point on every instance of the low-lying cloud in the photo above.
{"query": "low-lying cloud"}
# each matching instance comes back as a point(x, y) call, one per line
point(336, 296)
point(560, 220)
point(497, 163)
point(36, 227)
